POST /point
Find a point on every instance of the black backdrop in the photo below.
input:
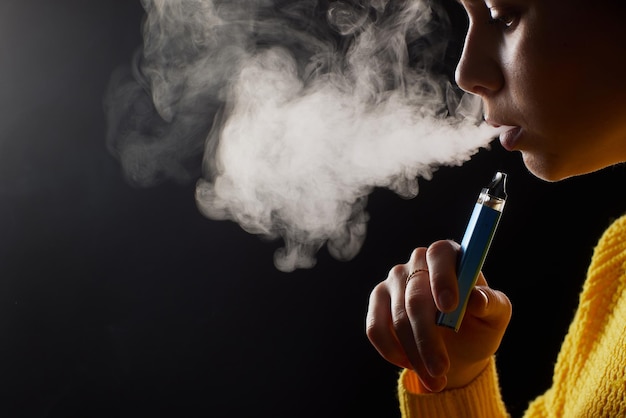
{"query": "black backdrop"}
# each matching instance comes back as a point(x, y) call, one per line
point(119, 302)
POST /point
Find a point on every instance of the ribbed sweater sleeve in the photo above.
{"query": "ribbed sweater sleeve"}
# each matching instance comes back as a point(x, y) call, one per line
point(481, 398)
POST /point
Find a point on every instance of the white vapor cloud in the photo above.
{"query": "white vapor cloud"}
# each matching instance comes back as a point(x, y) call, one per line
point(289, 113)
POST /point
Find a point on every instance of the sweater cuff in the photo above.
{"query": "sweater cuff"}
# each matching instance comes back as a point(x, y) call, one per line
point(481, 398)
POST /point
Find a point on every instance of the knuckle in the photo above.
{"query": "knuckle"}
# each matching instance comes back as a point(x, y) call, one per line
point(372, 329)
point(379, 291)
point(397, 272)
point(506, 305)
point(439, 248)
point(417, 254)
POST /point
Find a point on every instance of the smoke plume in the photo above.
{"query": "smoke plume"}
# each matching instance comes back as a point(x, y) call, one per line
point(289, 113)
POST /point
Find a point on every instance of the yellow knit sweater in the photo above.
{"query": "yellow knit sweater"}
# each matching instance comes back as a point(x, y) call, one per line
point(590, 373)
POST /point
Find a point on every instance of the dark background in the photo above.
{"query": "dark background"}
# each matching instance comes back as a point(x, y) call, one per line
point(125, 302)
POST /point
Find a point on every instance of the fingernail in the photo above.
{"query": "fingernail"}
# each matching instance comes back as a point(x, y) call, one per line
point(438, 384)
point(485, 297)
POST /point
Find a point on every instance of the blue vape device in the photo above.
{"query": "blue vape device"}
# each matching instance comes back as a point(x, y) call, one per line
point(475, 244)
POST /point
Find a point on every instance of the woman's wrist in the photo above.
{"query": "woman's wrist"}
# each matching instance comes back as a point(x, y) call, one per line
point(469, 374)
point(414, 385)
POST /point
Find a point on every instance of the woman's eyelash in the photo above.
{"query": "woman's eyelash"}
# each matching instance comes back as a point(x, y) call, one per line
point(505, 19)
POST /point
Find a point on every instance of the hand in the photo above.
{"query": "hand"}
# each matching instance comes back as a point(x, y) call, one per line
point(402, 313)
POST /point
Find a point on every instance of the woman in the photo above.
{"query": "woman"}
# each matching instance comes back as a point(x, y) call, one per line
point(552, 71)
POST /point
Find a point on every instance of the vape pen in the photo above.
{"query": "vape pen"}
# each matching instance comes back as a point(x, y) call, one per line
point(475, 244)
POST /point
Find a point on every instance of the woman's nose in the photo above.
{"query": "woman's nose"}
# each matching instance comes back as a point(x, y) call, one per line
point(479, 71)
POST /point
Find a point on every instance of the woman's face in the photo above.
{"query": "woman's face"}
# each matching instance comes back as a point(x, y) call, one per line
point(555, 71)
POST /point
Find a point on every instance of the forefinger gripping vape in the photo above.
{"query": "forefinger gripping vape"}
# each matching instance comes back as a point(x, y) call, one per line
point(475, 245)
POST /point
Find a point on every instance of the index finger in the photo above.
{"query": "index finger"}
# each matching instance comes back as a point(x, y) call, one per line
point(441, 258)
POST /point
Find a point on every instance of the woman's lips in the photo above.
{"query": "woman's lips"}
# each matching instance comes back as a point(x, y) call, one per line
point(509, 136)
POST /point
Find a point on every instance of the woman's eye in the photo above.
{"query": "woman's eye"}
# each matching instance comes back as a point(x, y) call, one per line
point(506, 19)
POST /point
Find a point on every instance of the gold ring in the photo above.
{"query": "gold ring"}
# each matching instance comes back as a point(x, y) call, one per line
point(413, 273)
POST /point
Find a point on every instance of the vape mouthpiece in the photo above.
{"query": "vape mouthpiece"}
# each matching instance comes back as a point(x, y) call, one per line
point(497, 187)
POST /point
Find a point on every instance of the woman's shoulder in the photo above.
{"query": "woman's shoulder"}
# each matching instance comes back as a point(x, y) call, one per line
point(615, 233)
point(607, 271)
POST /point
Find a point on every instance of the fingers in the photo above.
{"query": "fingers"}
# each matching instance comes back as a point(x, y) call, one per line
point(401, 319)
point(379, 327)
point(401, 322)
point(430, 359)
point(388, 324)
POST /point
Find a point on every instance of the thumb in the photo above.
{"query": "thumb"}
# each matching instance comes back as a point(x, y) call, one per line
point(489, 305)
